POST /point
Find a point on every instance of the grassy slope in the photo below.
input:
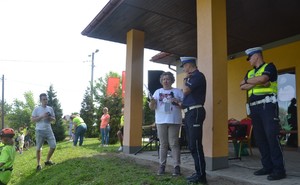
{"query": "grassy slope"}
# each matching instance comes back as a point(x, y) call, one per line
point(89, 164)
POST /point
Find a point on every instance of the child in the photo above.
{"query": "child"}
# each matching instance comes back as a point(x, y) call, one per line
point(7, 156)
point(27, 140)
point(21, 139)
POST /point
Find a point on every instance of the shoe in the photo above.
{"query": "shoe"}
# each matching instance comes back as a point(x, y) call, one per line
point(161, 170)
point(120, 149)
point(49, 163)
point(276, 176)
point(176, 171)
point(262, 172)
point(38, 168)
point(197, 179)
point(194, 175)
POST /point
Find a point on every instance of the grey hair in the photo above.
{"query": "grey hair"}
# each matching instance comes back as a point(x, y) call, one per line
point(167, 74)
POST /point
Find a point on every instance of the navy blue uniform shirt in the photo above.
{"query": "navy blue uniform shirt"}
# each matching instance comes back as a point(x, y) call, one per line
point(197, 83)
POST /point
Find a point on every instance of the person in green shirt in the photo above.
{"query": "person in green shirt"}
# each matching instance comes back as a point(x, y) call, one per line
point(121, 131)
point(80, 128)
point(7, 156)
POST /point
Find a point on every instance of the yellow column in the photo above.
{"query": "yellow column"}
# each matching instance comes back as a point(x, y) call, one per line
point(212, 61)
point(133, 109)
point(297, 70)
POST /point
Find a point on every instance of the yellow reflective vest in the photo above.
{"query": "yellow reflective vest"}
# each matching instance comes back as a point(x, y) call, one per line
point(260, 89)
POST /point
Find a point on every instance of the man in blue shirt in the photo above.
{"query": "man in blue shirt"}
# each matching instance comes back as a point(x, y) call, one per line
point(194, 90)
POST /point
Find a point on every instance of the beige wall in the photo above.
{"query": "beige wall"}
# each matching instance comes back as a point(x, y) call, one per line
point(284, 57)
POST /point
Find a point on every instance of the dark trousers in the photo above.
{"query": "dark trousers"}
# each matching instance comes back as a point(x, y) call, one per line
point(266, 129)
point(194, 129)
point(79, 134)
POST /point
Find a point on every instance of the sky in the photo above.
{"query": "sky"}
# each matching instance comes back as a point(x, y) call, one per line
point(41, 45)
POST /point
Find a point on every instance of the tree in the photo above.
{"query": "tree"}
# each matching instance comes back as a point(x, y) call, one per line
point(7, 110)
point(112, 102)
point(58, 128)
point(87, 114)
point(20, 113)
point(149, 115)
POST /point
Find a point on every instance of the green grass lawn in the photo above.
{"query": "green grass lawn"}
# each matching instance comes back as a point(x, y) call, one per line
point(89, 164)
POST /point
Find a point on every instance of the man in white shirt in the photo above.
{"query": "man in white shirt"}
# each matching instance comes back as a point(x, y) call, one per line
point(43, 115)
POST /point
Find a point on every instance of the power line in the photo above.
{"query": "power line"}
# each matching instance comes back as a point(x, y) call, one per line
point(41, 61)
point(28, 83)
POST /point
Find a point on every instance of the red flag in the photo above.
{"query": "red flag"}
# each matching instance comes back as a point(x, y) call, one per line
point(112, 85)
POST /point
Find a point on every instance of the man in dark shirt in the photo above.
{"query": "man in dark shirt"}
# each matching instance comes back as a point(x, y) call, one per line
point(261, 86)
point(194, 90)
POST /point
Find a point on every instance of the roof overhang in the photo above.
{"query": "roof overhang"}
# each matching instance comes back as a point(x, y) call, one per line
point(170, 25)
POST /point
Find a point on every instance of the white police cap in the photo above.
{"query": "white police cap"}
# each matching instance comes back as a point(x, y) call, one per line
point(252, 51)
point(185, 60)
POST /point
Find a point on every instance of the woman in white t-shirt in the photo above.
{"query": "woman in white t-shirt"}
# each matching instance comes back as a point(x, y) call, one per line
point(168, 119)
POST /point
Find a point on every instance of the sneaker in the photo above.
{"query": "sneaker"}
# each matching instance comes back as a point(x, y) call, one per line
point(161, 170)
point(120, 149)
point(38, 168)
point(176, 171)
point(49, 163)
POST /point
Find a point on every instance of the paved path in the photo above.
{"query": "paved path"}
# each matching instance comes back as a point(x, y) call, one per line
point(240, 172)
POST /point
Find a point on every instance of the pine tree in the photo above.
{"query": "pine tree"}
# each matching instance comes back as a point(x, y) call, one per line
point(58, 128)
point(87, 114)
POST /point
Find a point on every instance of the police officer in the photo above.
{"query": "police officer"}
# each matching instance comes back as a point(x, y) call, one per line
point(194, 90)
point(261, 85)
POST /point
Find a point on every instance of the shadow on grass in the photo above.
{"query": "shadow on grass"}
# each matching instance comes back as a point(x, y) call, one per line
point(114, 147)
point(99, 169)
point(88, 164)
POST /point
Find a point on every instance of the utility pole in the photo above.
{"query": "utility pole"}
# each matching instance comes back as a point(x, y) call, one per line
point(92, 75)
point(2, 116)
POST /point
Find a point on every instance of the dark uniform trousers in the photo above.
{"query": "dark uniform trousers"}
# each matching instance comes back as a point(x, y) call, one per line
point(266, 133)
point(194, 128)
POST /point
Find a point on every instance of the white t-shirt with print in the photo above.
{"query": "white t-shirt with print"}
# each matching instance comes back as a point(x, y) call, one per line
point(165, 111)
